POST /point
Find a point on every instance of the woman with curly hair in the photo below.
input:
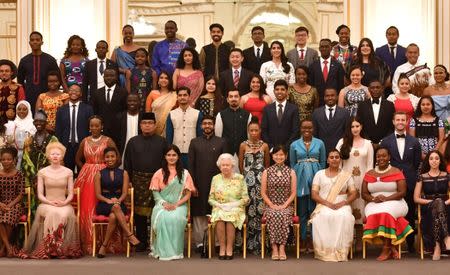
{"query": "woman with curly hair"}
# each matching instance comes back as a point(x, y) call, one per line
point(188, 74)
point(73, 63)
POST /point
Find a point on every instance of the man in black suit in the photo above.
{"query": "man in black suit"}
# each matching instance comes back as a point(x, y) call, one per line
point(127, 123)
point(280, 122)
point(95, 68)
point(330, 121)
point(376, 114)
point(235, 78)
point(109, 100)
point(405, 154)
point(257, 54)
point(72, 124)
point(326, 72)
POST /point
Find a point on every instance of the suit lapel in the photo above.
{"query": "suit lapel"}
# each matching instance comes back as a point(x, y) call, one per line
point(396, 151)
point(371, 114)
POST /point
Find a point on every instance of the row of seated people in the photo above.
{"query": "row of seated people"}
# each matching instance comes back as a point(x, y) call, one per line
point(228, 197)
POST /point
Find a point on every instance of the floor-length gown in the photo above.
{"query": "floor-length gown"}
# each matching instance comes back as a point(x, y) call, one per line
point(93, 154)
point(359, 162)
point(168, 226)
point(253, 169)
point(332, 228)
point(54, 233)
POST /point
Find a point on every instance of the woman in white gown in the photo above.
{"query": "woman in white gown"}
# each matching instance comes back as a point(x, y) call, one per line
point(332, 221)
point(357, 159)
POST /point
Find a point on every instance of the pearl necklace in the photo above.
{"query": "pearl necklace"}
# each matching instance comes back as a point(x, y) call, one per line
point(382, 171)
point(96, 139)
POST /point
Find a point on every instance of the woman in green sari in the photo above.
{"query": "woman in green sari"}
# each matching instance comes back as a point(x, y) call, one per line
point(172, 186)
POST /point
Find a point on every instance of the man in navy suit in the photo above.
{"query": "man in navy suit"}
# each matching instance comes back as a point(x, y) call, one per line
point(392, 54)
point(330, 120)
point(405, 153)
point(326, 72)
point(72, 124)
point(280, 123)
point(93, 75)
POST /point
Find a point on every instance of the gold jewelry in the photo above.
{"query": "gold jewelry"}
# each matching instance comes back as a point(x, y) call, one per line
point(96, 139)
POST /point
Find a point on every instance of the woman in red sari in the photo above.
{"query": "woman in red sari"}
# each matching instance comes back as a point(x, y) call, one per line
point(90, 159)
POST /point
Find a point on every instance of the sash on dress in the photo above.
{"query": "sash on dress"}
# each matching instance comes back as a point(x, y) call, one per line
point(343, 177)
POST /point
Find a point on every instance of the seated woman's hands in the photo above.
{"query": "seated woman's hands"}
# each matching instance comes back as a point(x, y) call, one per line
point(58, 203)
point(169, 207)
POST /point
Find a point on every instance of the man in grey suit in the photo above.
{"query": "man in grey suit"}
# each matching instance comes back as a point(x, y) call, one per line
point(330, 121)
point(302, 55)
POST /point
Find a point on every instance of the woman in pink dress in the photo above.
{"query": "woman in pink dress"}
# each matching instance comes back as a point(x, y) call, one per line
point(404, 101)
point(255, 101)
point(188, 74)
point(90, 159)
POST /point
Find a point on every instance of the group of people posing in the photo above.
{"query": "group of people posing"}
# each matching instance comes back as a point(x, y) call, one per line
point(344, 142)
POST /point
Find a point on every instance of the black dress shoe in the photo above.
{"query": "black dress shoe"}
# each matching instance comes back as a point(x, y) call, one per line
point(141, 247)
point(199, 249)
point(229, 257)
point(223, 257)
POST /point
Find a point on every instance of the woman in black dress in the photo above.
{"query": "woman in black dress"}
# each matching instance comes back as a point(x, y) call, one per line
point(434, 185)
point(111, 187)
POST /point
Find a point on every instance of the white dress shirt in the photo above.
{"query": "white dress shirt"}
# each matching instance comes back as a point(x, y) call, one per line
point(261, 48)
point(395, 49)
point(400, 143)
point(328, 64)
point(100, 80)
point(111, 93)
point(233, 69)
point(299, 52)
point(283, 108)
point(376, 109)
point(77, 106)
point(327, 110)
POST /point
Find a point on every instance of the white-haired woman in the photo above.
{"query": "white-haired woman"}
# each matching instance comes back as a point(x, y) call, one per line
point(228, 198)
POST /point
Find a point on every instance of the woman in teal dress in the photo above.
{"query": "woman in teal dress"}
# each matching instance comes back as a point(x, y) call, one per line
point(172, 186)
point(307, 155)
point(228, 198)
point(125, 54)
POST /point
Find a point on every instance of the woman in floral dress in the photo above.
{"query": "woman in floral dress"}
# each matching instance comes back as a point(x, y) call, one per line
point(253, 159)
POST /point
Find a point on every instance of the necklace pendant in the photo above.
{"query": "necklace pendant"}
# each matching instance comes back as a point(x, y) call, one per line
point(356, 153)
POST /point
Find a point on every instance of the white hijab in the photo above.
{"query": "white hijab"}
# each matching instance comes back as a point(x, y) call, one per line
point(25, 124)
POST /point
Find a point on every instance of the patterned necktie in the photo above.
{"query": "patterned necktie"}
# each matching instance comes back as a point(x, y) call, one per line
point(72, 125)
point(280, 112)
point(325, 70)
point(236, 78)
point(102, 67)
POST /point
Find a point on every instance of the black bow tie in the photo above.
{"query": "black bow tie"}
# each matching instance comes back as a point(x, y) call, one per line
point(400, 136)
point(375, 101)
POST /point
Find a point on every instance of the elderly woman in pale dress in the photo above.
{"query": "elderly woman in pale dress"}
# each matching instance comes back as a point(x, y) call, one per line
point(228, 198)
point(332, 221)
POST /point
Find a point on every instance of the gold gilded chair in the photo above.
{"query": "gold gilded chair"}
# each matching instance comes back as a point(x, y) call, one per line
point(25, 219)
point(102, 221)
point(296, 226)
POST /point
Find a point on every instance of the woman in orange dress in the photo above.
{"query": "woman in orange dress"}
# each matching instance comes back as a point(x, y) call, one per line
point(90, 159)
point(52, 99)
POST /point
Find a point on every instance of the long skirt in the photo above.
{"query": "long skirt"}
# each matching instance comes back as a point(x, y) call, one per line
point(333, 232)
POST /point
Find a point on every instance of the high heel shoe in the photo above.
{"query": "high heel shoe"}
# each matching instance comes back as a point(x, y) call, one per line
point(100, 255)
point(133, 243)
